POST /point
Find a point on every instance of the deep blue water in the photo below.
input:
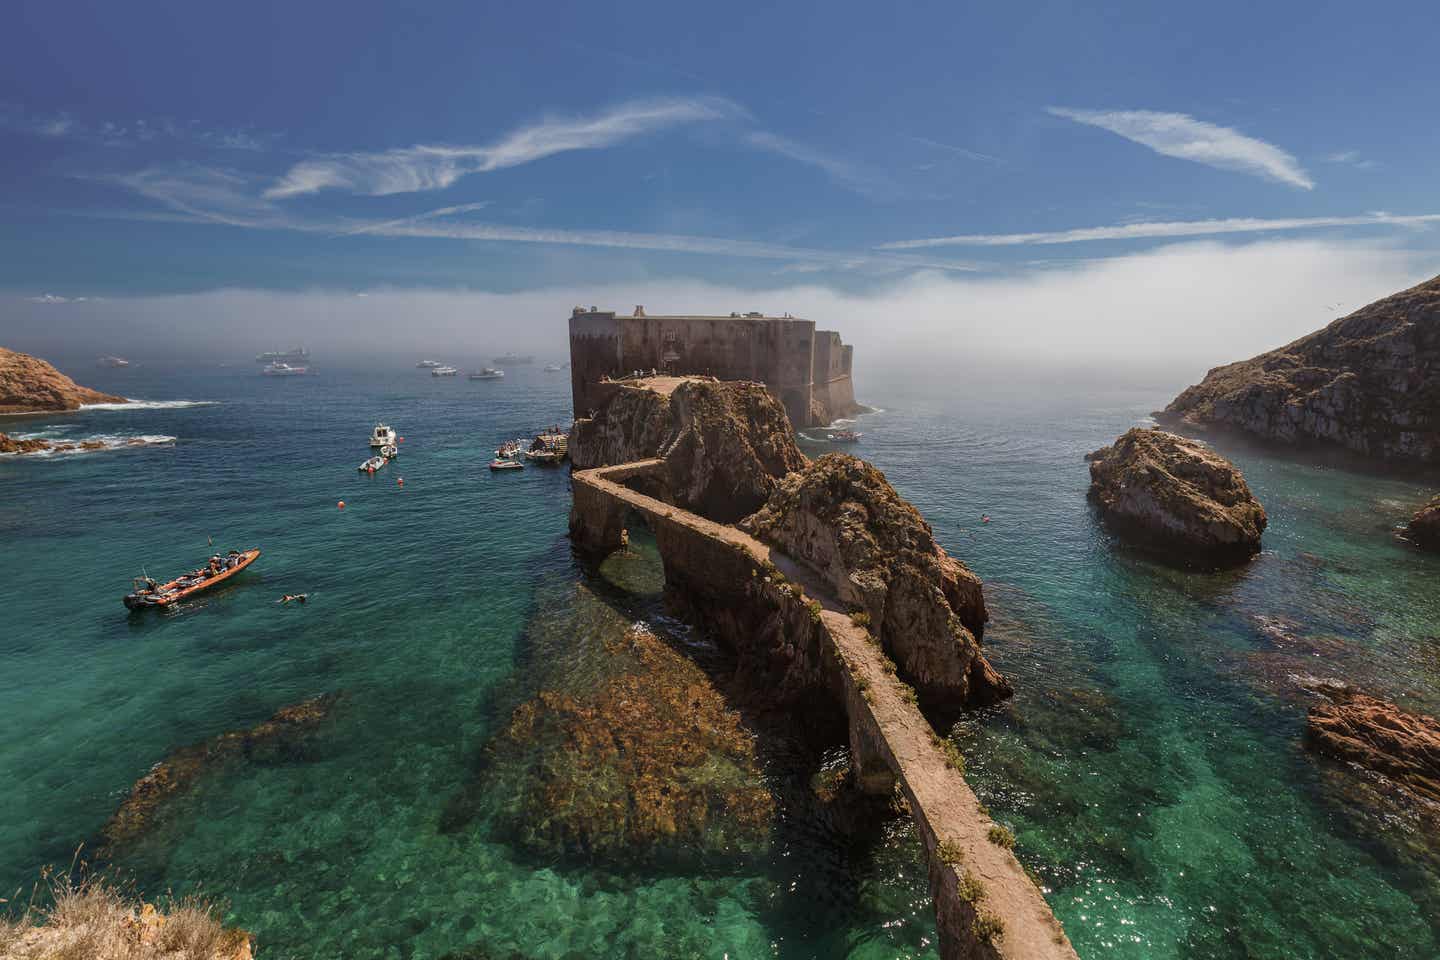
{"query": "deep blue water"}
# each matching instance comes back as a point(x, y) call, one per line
point(1150, 764)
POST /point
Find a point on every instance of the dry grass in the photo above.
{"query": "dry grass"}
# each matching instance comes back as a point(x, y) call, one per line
point(92, 919)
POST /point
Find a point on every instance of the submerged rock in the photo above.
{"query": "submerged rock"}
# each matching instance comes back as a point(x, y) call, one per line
point(180, 770)
point(1376, 735)
point(840, 517)
point(1424, 527)
point(725, 444)
point(651, 765)
point(1369, 382)
point(1178, 496)
point(31, 445)
point(30, 385)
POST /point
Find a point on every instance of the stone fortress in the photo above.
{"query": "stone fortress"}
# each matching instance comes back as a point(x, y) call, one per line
point(806, 369)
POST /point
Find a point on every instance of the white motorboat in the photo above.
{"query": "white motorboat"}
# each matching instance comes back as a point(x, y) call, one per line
point(499, 464)
point(382, 436)
point(113, 362)
point(443, 371)
point(282, 369)
point(553, 368)
point(373, 464)
point(489, 373)
point(428, 364)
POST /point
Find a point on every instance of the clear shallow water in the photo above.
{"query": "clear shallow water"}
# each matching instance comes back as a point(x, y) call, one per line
point(1150, 764)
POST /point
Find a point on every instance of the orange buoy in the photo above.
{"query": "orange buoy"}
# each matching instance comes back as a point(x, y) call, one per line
point(400, 482)
point(341, 505)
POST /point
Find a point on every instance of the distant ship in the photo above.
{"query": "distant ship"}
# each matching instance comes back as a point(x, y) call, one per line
point(298, 355)
point(281, 369)
point(510, 359)
point(553, 368)
point(444, 372)
point(428, 365)
point(113, 362)
point(488, 373)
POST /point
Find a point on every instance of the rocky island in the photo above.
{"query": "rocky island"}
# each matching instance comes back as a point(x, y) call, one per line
point(1176, 496)
point(30, 385)
point(1368, 383)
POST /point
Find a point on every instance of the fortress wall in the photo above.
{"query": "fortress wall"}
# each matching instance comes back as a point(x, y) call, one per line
point(594, 354)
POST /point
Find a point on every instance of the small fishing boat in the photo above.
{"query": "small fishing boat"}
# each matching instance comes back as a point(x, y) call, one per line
point(844, 436)
point(502, 464)
point(389, 451)
point(382, 436)
point(553, 368)
point(282, 369)
point(428, 364)
point(489, 373)
point(444, 372)
point(373, 464)
point(148, 593)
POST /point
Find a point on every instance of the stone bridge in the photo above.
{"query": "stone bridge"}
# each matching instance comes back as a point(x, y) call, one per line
point(986, 906)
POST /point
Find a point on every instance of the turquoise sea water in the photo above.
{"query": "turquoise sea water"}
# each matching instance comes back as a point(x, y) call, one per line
point(1150, 763)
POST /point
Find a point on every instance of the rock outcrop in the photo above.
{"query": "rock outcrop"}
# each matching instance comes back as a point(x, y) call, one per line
point(1176, 496)
point(1377, 735)
point(725, 444)
point(1369, 382)
point(30, 445)
point(180, 770)
point(1424, 528)
point(30, 385)
point(841, 518)
point(650, 766)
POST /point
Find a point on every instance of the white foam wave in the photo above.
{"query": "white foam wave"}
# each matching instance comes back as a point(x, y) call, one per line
point(106, 441)
point(134, 404)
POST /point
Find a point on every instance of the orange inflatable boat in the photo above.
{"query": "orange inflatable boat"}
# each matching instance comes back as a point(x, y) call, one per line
point(217, 569)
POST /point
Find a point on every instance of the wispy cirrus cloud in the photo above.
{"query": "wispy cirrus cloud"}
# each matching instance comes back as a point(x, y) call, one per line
point(434, 167)
point(847, 174)
point(1351, 158)
point(206, 195)
point(50, 298)
point(957, 151)
point(1160, 230)
point(1182, 136)
point(63, 125)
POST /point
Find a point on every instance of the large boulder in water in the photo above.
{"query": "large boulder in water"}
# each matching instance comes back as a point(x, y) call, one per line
point(841, 518)
point(1424, 527)
point(1369, 382)
point(30, 385)
point(725, 444)
point(1377, 735)
point(1176, 496)
point(648, 765)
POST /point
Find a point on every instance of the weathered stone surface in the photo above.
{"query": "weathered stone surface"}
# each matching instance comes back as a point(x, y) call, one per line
point(651, 765)
point(30, 385)
point(1377, 735)
point(180, 770)
point(1178, 496)
point(840, 517)
point(11, 445)
point(1369, 382)
point(725, 444)
point(1424, 528)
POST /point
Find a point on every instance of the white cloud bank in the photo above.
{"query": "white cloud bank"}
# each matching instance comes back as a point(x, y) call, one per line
point(1180, 308)
point(1165, 229)
point(1186, 138)
point(435, 167)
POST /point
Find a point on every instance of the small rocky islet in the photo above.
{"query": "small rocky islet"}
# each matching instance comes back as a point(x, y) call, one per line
point(31, 385)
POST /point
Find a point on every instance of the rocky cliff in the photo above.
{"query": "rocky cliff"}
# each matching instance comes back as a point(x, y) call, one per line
point(1424, 528)
point(1176, 496)
point(841, 518)
point(30, 385)
point(1377, 735)
point(725, 444)
point(1369, 382)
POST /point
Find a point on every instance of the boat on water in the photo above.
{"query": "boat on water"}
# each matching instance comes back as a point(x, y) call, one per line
point(444, 371)
point(843, 436)
point(147, 593)
point(508, 449)
point(382, 436)
point(553, 368)
point(511, 359)
point(297, 355)
point(489, 373)
point(428, 365)
point(373, 464)
point(113, 362)
point(282, 369)
point(505, 464)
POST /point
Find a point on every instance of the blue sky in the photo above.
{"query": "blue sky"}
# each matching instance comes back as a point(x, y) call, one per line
point(175, 148)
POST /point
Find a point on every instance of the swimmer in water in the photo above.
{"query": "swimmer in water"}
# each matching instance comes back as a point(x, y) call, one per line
point(297, 597)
